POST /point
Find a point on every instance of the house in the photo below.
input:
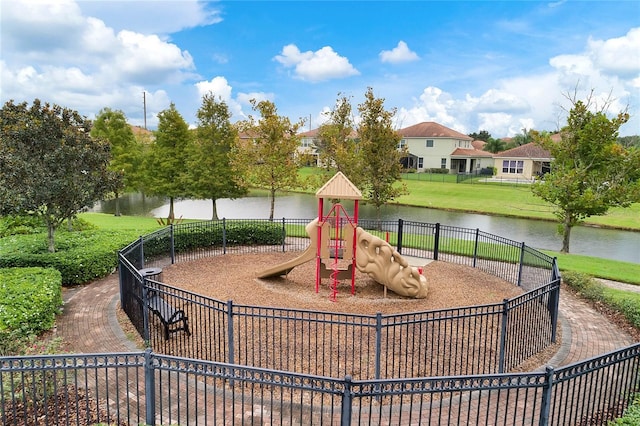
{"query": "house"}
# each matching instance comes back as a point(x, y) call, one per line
point(433, 146)
point(523, 162)
point(307, 148)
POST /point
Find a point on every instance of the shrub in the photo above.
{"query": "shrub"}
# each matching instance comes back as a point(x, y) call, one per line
point(438, 171)
point(80, 257)
point(584, 285)
point(631, 415)
point(629, 308)
point(30, 298)
point(20, 225)
point(212, 234)
point(488, 171)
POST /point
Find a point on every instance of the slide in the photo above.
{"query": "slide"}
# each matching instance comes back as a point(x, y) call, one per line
point(306, 256)
point(374, 257)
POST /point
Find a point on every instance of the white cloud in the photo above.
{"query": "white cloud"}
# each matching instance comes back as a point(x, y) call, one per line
point(495, 100)
point(219, 87)
point(433, 105)
point(400, 53)
point(539, 100)
point(52, 52)
point(149, 59)
point(321, 65)
point(148, 17)
point(618, 56)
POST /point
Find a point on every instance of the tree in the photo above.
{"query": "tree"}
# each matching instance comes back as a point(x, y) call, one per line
point(210, 164)
point(126, 154)
point(483, 135)
point(166, 165)
point(629, 141)
point(494, 145)
point(272, 152)
point(50, 165)
point(521, 138)
point(590, 172)
point(379, 152)
point(337, 143)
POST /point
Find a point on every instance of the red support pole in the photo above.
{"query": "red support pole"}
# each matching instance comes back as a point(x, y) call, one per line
point(319, 242)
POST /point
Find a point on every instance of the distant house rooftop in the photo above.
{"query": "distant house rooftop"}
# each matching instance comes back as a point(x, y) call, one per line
point(529, 150)
point(429, 129)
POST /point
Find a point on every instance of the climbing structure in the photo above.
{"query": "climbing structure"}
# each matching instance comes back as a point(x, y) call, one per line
point(340, 246)
point(336, 248)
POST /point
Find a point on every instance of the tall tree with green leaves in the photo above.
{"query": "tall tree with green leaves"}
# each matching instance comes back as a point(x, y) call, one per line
point(211, 163)
point(50, 165)
point(337, 142)
point(379, 152)
point(271, 153)
point(126, 154)
point(166, 171)
point(494, 145)
point(482, 135)
point(590, 172)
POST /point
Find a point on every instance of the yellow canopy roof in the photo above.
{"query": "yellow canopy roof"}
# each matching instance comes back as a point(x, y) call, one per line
point(339, 187)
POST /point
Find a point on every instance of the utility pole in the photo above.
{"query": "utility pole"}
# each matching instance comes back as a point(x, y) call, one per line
point(144, 103)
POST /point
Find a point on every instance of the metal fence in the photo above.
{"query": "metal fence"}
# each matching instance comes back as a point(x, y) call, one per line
point(493, 338)
point(235, 366)
point(149, 388)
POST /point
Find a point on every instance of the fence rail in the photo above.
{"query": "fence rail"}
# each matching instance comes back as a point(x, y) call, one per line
point(475, 340)
point(235, 365)
point(149, 388)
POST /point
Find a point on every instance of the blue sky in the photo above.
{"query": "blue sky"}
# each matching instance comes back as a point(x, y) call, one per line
point(497, 66)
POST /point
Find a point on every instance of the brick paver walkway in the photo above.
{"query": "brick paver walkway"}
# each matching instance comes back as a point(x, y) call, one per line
point(89, 319)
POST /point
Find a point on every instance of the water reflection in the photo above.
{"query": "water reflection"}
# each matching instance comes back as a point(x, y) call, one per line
point(606, 243)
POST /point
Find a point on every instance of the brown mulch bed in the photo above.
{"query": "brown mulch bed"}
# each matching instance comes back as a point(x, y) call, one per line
point(234, 277)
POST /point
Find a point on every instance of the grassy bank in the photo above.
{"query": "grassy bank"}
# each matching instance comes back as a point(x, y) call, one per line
point(494, 199)
point(597, 267)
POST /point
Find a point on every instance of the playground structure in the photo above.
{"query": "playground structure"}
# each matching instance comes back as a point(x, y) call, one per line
point(340, 247)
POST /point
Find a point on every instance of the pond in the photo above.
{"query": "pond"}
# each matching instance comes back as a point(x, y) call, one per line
point(590, 241)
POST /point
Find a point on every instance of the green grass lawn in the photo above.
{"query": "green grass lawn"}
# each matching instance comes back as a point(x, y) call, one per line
point(598, 267)
point(135, 223)
point(504, 200)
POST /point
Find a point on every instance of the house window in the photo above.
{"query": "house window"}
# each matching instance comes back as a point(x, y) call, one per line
point(420, 162)
point(429, 143)
point(443, 163)
point(512, 166)
point(402, 144)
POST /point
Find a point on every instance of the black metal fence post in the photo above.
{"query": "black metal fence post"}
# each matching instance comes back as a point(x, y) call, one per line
point(545, 406)
point(436, 242)
point(149, 388)
point(173, 244)
point(503, 335)
point(521, 266)
point(141, 252)
point(145, 313)
point(399, 244)
point(554, 298)
point(224, 235)
point(230, 355)
point(345, 418)
point(475, 248)
point(378, 344)
point(284, 232)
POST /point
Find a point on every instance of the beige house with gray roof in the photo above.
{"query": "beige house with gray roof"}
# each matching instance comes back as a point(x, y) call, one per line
point(523, 162)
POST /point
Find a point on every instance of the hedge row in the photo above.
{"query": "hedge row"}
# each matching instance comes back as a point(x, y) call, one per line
point(80, 257)
point(30, 298)
point(213, 234)
point(587, 287)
